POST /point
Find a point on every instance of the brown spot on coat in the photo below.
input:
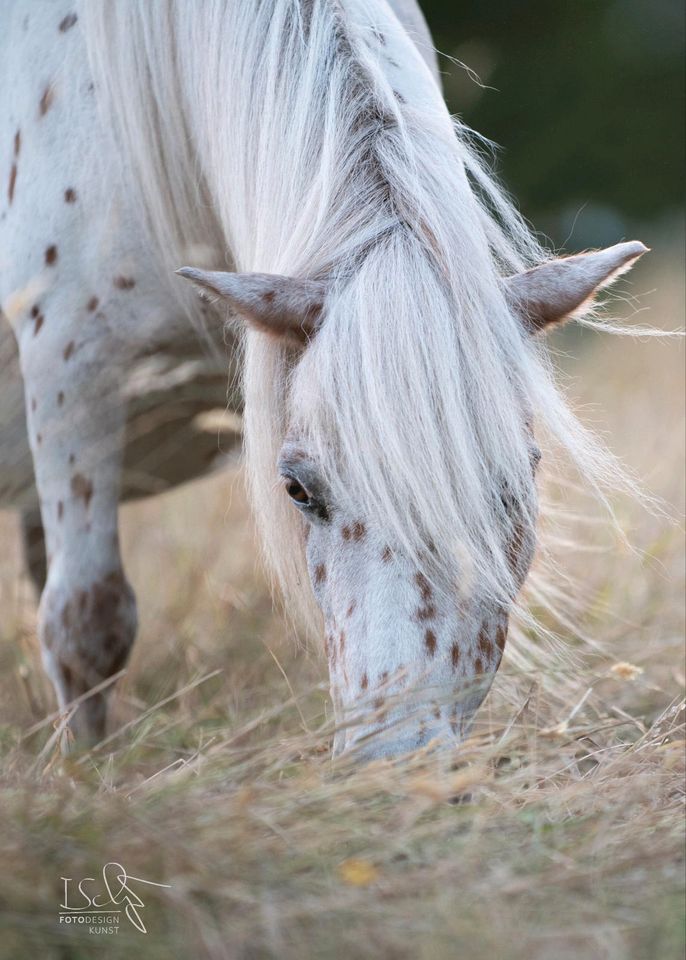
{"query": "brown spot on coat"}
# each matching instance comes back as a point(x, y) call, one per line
point(38, 323)
point(12, 183)
point(501, 637)
point(485, 646)
point(68, 350)
point(455, 655)
point(17, 143)
point(124, 283)
point(68, 22)
point(430, 642)
point(346, 533)
point(105, 600)
point(351, 609)
point(92, 304)
point(82, 488)
point(46, 100)
point(424, 586)
point(359, 530)
point(342, 641)
point(364, 682)
point(60, 398)
point(427, 612)
point(51, 255)
point(386, 555)
point(319, 573)
point(70, 195)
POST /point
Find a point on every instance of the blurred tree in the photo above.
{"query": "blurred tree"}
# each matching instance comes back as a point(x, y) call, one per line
point(588, 101)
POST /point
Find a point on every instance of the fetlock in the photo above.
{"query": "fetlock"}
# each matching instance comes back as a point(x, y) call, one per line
point(86, 633)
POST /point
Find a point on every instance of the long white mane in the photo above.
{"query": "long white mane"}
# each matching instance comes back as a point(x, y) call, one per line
point(271, 133)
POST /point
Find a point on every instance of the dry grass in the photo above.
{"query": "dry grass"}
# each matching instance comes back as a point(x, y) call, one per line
point(567, 839)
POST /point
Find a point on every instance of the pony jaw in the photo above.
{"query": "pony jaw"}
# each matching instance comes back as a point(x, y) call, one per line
point(407, 662)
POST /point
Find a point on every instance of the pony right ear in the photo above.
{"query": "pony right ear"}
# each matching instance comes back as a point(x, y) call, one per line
point(283, 307)
point(562, 289)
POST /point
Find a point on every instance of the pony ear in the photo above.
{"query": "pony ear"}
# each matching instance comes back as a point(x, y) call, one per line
point(284, 307)
point(562, 289)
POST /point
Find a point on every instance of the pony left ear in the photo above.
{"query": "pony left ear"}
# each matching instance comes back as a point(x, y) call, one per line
point(284, 307)
point(563, 289)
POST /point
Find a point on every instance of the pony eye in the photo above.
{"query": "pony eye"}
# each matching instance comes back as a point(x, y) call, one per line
point(297, 492)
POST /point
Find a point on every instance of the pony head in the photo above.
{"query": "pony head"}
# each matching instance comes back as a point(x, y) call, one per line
point(415, 508)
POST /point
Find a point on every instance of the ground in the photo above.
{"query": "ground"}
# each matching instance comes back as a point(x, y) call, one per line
point(557, 834)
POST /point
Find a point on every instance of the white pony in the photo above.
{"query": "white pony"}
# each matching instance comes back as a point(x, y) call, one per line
point(299, 155)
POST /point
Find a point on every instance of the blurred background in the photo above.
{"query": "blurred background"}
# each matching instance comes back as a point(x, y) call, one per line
point(586, 103)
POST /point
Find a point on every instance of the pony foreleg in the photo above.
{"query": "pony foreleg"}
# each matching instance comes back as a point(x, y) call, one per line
point(87, 612)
